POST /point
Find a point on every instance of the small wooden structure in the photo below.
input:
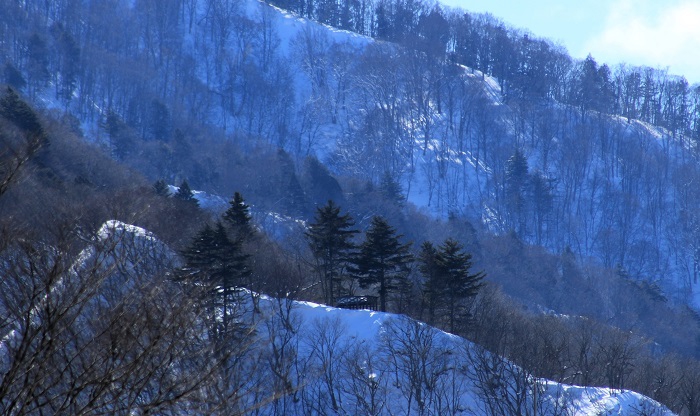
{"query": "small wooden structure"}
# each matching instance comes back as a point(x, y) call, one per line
point(357, 302)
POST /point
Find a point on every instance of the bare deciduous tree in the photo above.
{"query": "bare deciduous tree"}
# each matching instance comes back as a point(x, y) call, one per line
point(418, 362)
point(103, 329)
point(325, 347)
point(364, 385)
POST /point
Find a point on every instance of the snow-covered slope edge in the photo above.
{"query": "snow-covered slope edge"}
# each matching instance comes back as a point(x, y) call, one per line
point(365, 362)
point(118, 254)
point(404, 367)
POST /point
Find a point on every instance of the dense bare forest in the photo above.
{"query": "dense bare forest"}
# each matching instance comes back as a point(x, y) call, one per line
point(567, 154)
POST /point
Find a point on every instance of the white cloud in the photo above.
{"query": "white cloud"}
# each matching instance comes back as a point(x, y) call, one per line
point(656, 34)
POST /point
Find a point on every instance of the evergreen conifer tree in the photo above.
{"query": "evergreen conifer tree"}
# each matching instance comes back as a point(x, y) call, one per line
point(198, 257)
point(457, 283)
point(542, 200)
point(122, 140)
point(21, 115)
point(391, 190)
point(330, 239)
point(516, 181)
point(216, 264)
point(428, 267)
point(238, 219)
point(230, 270)
point(161, 188)
point(160, 121)
point(184, 193)
point(16, 111)
point(383, 260)
point(37, 62)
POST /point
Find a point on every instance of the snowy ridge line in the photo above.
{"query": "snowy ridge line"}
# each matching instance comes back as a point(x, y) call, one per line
point(293, 21)
point(392, 342)
point(112, 229)
point(380, 332)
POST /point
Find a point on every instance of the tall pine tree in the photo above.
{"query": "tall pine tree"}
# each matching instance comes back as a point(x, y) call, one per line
point(330, 239)
point(391, 190)
point(456, 282)
point(216, 264)
point(198, 259)
point(516, 181)
point(184, 193)
point(161, 188)
point(14, 156)
point(383, 260)
point(428, 266)
point(238, 219)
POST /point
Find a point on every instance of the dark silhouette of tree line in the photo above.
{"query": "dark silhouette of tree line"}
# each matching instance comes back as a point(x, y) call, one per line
point(383, 262)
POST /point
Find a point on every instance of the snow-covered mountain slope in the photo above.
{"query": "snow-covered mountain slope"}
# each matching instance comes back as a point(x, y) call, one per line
point(408, 367)
point(367, 108)
point(98, 330)
point(292, 357)
point(116, 260)
point(607, 187)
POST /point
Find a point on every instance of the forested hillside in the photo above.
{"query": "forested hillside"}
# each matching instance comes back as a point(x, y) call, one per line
point(567, 186)
point(102, 317)
point(471, 118)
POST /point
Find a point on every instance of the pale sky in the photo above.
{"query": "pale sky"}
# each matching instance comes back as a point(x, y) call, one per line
point(657, 33)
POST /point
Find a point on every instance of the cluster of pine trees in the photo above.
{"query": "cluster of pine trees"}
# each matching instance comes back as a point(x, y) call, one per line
point(219, 257)
point(217, 260)
point(383, 262)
